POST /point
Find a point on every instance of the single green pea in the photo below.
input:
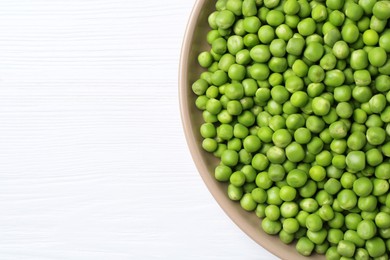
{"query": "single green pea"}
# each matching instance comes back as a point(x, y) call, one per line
point(284, 32)
point(377, 103)
point(306, 26)
point(346, 248)
point(353, 11)
point(377, 24)
point(285, 237)
point(222, 173)
point(338, 130)
point(260, 162)
point(251, 40)
point(249, 8)
point(229, 158)
point(366, 229)
point(224, 19)
point(382, 171)
point(237, 178)
point(259, 71)
point(252, 24)
point(273, 197)
point(320, 106)
point(319, 13)
point(309, 189)
point(342, 93)
point(294, 84)
point(276, 155)
point(315, 89)
point(376, 135)
point(248, 203)
point(234, 193)
point(296, 178)
point(295, 46)
point(376, 247)
point(344, 110)
point(377, 56)
point(243, 57)
point(350, 33)
point(288, 193)
point(313, 51)
point(277, 64)
point(300, 68)
point(334, 78)
point(266, 34)
point(328, 61)
point(381, 10)
point(304, 246)
point(292, 21)
point(384, 41)
point(304, 9)
point(347, 199)
point(291, 7)
point(316, 74)
point(359, 60)
point(335, 235)
point(341, 50)
point(280, 94)
point(336, 18)
point(271, 227)
point(275, 18)
point(315, 124)
point(299, 99)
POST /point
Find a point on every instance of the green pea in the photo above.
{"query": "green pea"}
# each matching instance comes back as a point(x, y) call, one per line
point(234, 193)
point(271, 227)
point(285, 237)
point(375, 247)
point(248, 203)
point(346, 248)
point(252, 24)
point(335, 235)
point(275, 18)
point(291, 7)
point(375, 135)
point(381, 10)
point(266, 34)
point(224, 19)
point(334, 78)
point(273, 197)
point(313, 51)
point(259, 71)
point(341, 50)
point(306, 26)
point(249, 7)
point(316, 74)
point(304, 246)
point(319, 13)
point(260, 162)
point(350, 33)
point(366, 229)
point(382, 171)
point(356, 141)
point(296, 178)
point(251, 40)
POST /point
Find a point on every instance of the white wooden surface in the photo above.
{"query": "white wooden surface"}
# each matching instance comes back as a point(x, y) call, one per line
point(93, 161)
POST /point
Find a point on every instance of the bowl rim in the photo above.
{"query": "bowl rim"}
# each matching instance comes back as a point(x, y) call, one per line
point(196, 153)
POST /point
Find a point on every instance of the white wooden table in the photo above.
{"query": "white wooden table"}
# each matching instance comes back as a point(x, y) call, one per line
point(93, 161)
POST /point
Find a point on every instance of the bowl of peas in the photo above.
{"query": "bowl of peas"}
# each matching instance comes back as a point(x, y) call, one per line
point(286, 110)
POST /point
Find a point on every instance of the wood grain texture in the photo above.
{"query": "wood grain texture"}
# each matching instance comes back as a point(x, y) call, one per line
point(93, 161)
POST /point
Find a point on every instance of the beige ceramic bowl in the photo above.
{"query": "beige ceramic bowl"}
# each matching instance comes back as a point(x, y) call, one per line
point(194, 43)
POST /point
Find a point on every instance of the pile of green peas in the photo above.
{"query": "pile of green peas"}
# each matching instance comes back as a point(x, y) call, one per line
point(295, 99)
